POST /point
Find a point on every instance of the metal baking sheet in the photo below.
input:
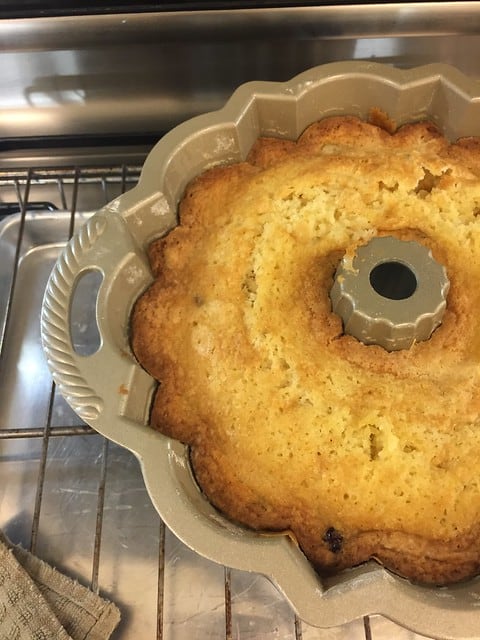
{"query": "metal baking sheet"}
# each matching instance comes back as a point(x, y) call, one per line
point(112, 393)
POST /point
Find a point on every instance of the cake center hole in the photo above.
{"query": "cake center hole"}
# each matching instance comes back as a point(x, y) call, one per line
point(393, 280)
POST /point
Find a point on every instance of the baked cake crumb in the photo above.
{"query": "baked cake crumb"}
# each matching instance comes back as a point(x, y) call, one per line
point(293, 425)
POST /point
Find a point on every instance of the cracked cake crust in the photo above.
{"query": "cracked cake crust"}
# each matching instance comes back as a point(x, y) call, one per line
point(292, 424)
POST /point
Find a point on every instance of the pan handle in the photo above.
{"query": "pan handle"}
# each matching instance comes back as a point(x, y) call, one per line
point(89, 383)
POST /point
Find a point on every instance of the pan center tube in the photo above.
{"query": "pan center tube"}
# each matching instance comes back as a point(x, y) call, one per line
point(391, 293)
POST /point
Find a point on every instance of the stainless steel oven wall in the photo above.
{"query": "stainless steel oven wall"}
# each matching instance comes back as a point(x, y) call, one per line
point(140, 74)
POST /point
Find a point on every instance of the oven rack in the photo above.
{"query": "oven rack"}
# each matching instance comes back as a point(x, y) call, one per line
point(78, 500)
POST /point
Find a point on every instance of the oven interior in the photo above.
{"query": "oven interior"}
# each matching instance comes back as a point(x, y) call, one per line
point(84, 95)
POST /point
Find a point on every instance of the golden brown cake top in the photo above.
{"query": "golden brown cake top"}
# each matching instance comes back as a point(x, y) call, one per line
point(293, 424)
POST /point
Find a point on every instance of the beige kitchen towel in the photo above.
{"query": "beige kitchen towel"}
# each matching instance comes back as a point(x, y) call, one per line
point(39, 603)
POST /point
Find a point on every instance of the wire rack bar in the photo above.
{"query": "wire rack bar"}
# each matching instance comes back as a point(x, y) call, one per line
point(123, 175)
point(41, 473)
point(61, 192)
point(298, 628)
point(99, 518)
point(161, 581)
point(367, 628)
point(73, 207)
point(228, 603)
point(22, 201)
point(38, 432)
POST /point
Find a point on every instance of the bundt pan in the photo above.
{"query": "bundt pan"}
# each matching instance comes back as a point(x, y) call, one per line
point(112, 393)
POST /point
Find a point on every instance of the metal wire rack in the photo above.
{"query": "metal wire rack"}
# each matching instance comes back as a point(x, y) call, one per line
point(78, 500)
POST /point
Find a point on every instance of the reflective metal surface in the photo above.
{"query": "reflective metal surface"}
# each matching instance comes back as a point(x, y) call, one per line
point(118, 77)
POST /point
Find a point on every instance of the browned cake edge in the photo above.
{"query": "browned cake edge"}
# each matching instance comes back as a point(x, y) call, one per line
point(330, 550)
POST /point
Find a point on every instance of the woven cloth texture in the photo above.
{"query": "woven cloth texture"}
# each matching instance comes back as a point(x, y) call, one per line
point(38, 602)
